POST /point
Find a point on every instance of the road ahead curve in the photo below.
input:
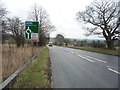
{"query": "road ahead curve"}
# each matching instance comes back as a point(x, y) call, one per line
point(73, 68)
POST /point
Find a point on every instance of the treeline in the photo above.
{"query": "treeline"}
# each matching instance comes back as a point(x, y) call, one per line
point(61, 40)
point(13, 28)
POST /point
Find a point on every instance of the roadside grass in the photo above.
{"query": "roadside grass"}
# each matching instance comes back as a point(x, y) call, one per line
point(37, 73)
point(98, 50)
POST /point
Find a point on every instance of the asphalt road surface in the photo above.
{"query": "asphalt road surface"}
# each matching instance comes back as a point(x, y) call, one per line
point(72, 68)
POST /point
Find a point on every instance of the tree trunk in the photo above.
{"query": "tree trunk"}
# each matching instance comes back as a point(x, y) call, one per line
point(23, 41)
point(110, 44)
point(18, 42)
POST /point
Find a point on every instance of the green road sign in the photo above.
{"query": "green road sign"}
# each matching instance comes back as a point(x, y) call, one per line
point(31, 30)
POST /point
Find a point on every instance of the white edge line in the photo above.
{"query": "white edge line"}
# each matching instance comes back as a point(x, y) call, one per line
point(113, 70)
point(86, 58)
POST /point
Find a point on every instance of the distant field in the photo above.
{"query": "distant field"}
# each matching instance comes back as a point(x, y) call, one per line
point(98, 50)
point(13, 57)
point(37, 73)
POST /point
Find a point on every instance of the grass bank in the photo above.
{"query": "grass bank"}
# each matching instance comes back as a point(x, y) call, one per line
point(98, 50)
point(37, 73)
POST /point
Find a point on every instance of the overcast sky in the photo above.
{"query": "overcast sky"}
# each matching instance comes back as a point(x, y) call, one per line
point(61, 13)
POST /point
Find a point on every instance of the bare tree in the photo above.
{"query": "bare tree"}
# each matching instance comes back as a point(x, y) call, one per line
point(103, 15)
point(3, 13)
point(16, 28)
point(40, 15)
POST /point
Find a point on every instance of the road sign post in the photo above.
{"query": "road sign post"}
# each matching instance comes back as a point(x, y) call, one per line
point(31, 30)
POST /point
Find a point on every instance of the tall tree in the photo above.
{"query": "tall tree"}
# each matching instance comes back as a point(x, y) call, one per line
point(59, 39)
point(4, 31)
point(40, 15)
point(103, 15)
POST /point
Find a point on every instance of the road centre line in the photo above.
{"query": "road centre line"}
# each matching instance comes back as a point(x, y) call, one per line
point(72, 52)
point(79, 55)
point(89, 57)
point(86, 58)
point(113, 70)
point(69, 51)
point(93, 61)
point(66, 50)
point(96, 59)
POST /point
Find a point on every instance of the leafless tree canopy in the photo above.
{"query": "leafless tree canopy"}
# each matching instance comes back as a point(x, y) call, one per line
point(16, 27)
point(103, 15)
point(40, 15)
point(3, 12)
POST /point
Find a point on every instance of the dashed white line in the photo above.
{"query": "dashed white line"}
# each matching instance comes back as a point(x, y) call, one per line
point(96, 59)
point(113, 70)
point(79, 55)
point(72, 52)
point(69, 51)
point(86, 58)
point(65, 50)
point(108, 67)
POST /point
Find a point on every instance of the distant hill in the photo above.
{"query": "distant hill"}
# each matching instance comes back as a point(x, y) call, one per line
point(78, 39)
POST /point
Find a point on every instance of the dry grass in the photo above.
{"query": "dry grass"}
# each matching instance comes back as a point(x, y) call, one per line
point(13, 58)
point(40, 77)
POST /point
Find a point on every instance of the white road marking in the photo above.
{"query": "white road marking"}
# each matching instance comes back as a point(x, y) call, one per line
point(65, 50)
point(93, 61)
point(113, 70)
point(69, 51)
point(79, 55)
point(72, 52)
point(112, 67)
point(96, 59)
point(89, 57)
point(86, 58)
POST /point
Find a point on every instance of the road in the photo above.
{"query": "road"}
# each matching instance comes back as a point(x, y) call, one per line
point(72, 68)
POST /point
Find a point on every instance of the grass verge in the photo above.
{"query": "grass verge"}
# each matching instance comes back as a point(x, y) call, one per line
point(37, 73)
point(98, 50)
